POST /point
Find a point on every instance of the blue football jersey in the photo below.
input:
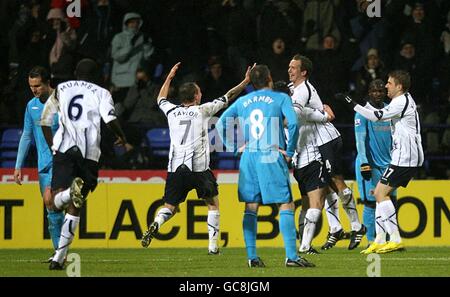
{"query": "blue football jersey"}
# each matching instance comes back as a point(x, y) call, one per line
point(373, 141)
point(261, 115)
point(32, 128)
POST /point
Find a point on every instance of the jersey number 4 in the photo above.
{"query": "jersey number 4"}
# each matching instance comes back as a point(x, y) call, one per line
point(75, 109)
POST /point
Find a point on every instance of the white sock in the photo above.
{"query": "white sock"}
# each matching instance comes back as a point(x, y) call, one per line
point(379, 226)
point(311, 218)
point(350, 208)
point(164, 214)
point(332, 211)
point(213, 229)
point(67, 233)
point(62, 199)
point(389, 216)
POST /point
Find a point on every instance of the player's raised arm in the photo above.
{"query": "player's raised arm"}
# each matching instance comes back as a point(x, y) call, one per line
point(47, 118)
point(166, 85)
point(234, 92)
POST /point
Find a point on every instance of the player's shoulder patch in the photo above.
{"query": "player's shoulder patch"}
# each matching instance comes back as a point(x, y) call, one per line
point(357, 122)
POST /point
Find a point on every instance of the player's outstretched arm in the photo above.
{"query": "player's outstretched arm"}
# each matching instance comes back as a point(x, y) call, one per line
point(393, 110)
point(234, 92)
point(166, 85)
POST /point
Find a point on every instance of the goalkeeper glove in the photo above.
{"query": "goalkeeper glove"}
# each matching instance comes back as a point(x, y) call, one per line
point(366, 171)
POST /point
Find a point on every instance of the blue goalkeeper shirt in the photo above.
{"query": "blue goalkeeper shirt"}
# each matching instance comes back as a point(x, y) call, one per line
point(373, 141)
point(32, 129)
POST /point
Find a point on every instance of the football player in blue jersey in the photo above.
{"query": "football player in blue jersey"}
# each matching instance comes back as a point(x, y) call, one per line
point(263, 169)
point(39, 82)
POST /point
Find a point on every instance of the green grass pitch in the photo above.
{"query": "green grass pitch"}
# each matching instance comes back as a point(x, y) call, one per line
point(180, 262)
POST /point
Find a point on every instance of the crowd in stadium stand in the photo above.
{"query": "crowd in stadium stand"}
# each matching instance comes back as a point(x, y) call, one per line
point(136, 43)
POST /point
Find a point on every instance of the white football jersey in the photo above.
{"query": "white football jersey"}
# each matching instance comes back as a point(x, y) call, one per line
point(188, 125)
point(407, 148)
point(80, 106)
point(305, 95)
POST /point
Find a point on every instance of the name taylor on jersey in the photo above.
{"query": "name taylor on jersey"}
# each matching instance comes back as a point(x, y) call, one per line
point(183, 113)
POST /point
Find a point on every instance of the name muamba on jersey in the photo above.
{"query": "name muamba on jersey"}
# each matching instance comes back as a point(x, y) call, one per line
point(71, 84)
point(255, 99)
point(190, 113)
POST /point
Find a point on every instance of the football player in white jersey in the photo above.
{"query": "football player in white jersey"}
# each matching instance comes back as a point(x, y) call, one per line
point(188, 166)
point(323, 143)
point(407, 156)
point(80, 105)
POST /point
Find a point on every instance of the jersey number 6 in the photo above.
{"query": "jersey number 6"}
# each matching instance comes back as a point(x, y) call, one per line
point(73, 105)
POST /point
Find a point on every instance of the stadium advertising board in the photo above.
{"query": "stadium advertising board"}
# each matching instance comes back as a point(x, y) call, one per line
point(118, 212)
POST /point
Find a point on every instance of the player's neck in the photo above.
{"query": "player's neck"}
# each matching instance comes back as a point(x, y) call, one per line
point(299, 81)
point(398, 95)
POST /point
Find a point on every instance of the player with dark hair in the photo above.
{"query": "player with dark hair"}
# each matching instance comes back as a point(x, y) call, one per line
point(373, 144)
point(263, 170)
point(188, 166)
point(80, 105)
point(39, 82)
point(406, 156)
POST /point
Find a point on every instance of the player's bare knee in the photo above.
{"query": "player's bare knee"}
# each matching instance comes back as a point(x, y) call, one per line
point(72, 210)
point(212, 203)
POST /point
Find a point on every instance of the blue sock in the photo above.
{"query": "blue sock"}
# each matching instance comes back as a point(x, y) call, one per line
point(249, 225)
point(55, 222)
point(369, 222)
point(287, 228)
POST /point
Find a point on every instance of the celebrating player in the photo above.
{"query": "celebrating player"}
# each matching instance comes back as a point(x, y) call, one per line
point(406, 157)
point(80, 105)
point(188, 166)
point(329, 143)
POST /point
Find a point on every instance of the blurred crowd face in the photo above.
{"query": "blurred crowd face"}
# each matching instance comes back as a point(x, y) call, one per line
point(373, 62)
point(216, 71)
point(408, 51)
point(133, 24)
point(39, 89)
point(56, 24)
point(328, 43)
point(418, 14)
point(278, 46)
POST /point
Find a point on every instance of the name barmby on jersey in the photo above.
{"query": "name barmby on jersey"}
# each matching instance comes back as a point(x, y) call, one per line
point(255, 99)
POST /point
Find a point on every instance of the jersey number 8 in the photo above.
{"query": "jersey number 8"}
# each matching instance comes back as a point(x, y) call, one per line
point(256, 119)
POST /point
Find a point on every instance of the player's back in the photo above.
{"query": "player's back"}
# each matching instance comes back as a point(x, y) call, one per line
point(188, 125)
point(82, 105)
point(407, 141)
point(306, 95)
point(261, 119)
